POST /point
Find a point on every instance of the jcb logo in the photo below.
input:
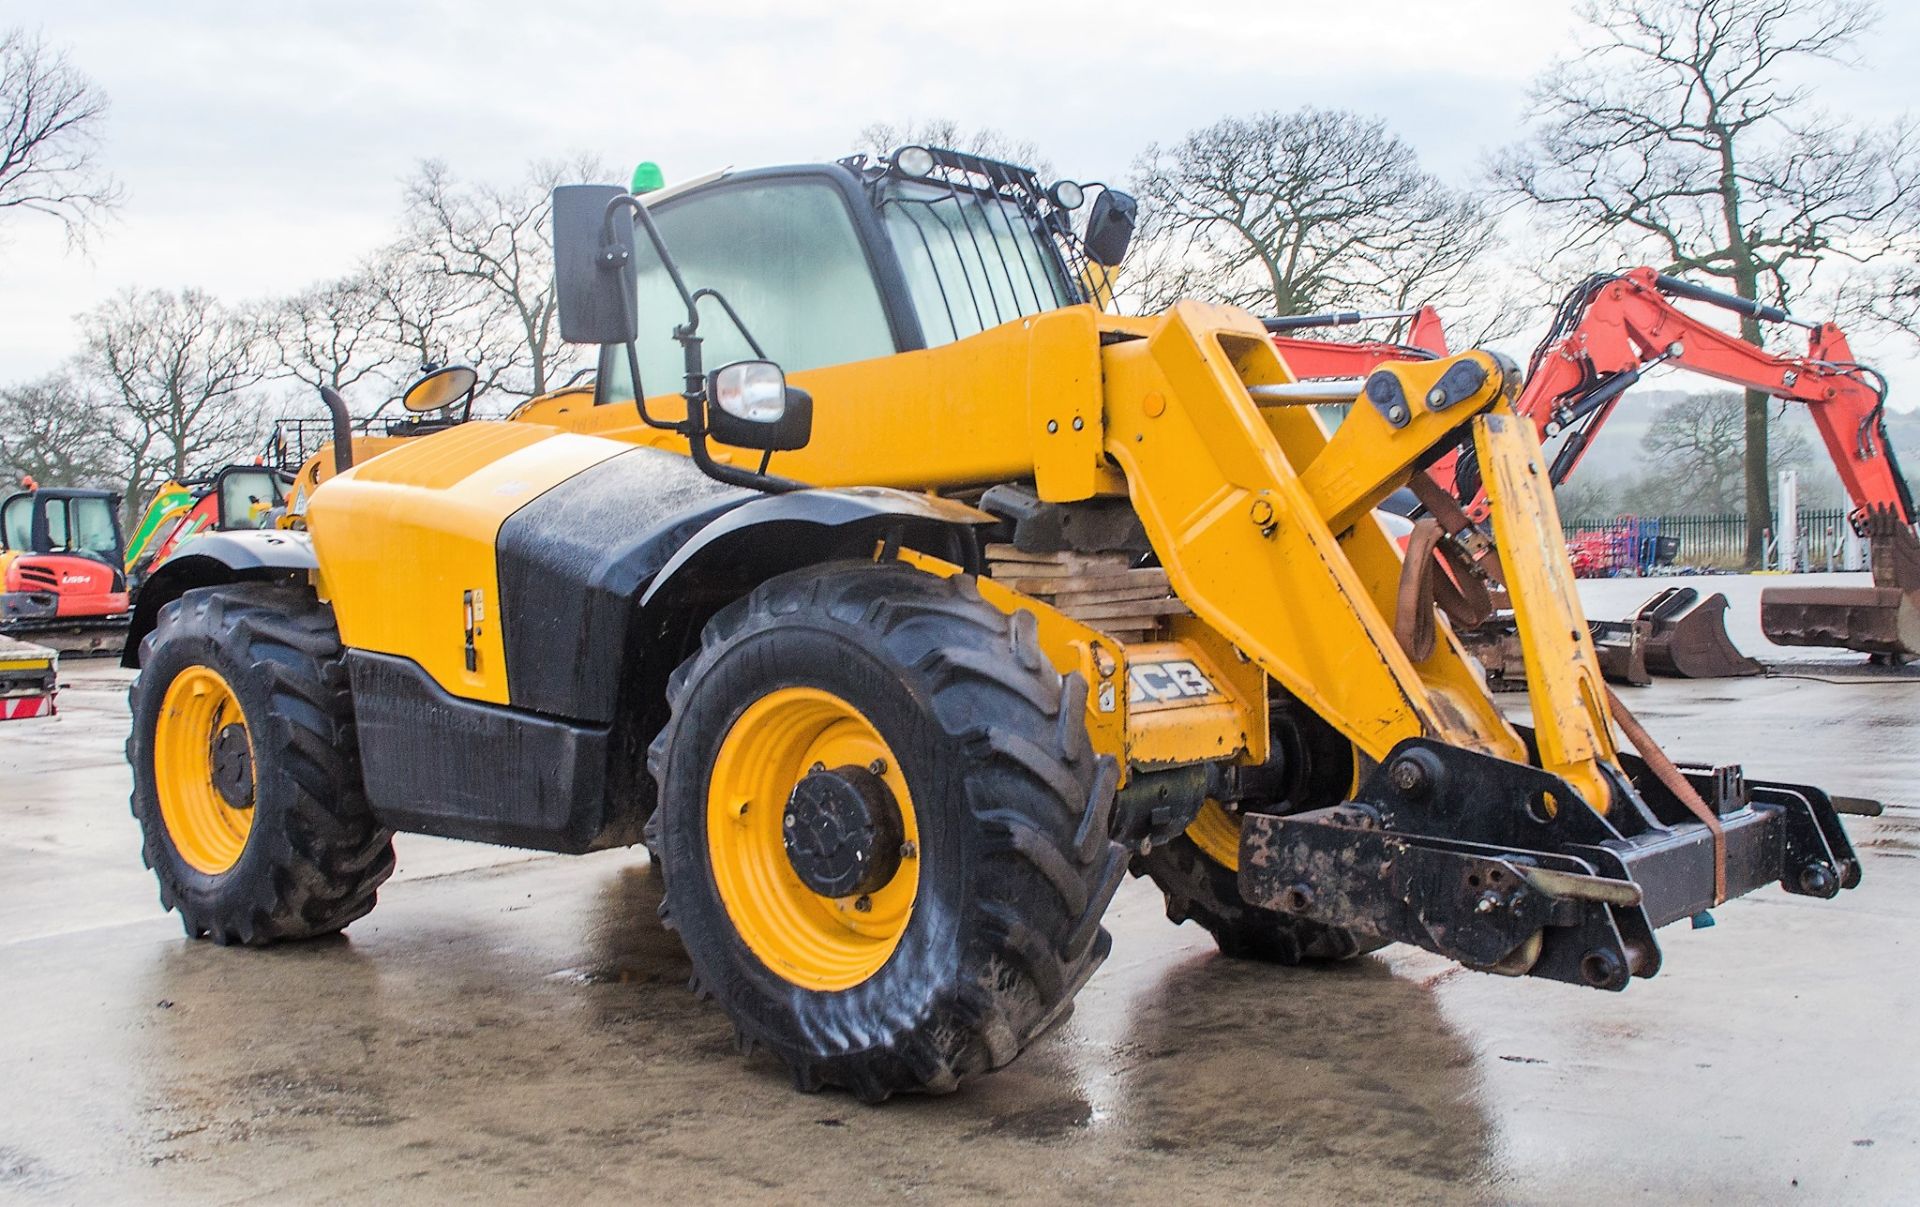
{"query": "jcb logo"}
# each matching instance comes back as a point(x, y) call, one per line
point(1164, 681)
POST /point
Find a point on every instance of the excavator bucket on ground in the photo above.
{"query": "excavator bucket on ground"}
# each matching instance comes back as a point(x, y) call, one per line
point(1687, 637)
point(1882, 620)
point(1622, 648)
point(1676, 634)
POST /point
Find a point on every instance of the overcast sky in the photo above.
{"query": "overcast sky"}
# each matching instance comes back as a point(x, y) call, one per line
point(262, 145)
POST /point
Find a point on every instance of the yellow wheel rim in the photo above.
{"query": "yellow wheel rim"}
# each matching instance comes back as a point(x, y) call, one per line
point(817, 942)
point(200, 718)
point(1217, 832)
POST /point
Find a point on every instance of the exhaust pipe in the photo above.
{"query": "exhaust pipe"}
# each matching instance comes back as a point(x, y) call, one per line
point(342, 429)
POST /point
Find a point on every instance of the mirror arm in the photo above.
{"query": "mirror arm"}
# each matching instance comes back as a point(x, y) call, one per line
point(639, 395)
point(769, 483)
point(738, 323)
point(615, 256)
point(694, 426)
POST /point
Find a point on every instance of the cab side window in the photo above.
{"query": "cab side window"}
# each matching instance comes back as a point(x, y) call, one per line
point(16, 523)
point(57, 526)
point(90, 526)
point(246, 496)
point(786, 255)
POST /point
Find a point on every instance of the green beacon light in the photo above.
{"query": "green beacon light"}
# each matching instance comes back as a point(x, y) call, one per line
point(648, 177)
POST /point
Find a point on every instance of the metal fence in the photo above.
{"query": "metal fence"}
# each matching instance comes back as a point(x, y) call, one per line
point(1720, 541)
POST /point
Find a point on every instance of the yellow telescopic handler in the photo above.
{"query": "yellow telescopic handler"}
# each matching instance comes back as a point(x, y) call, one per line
point(940, 601)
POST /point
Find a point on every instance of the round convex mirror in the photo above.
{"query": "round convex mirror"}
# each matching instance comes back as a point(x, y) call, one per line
point(440, 388)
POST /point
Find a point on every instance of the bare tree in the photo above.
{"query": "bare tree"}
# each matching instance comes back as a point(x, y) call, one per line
point(879, 138)
point(1696, 448)
point(1288, 213)
point(430, 318)
point(50, 116)
point(495, 246)
point(182, 373)
point(335, 334)
point(57, 431)
point(1682, 131)
point(1586, 498)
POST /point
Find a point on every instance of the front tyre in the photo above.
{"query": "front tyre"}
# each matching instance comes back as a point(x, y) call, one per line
point(246, 778)
point(1199, 870)
point(882, 827)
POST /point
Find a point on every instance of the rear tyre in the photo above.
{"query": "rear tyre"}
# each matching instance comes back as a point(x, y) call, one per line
point(246, 777)
point(1198, 871)
point(883, 830)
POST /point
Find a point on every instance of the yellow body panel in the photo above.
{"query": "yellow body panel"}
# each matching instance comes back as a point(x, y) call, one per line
point(1170, 722)
point(403, 537)
point(1569, 706)
point(972, 412)
point(1262, 521)
point(1122, 721)
point(1070, 646)
point(1248, 549)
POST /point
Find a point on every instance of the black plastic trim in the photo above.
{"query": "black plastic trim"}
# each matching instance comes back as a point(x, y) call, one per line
point(211, 559)
point(815, 525)
point(438, 764)
point(571, 563)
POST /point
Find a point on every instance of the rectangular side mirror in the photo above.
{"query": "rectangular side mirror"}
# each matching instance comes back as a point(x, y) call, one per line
point(1110, 227)
point(593, 265)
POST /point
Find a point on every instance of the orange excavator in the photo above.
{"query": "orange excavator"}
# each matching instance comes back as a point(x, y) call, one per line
point(1606, 334)
point(61, 584)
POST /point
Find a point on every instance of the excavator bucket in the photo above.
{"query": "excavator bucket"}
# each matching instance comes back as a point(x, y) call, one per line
point(1687, 637)
point(1676, 633)
point(1882, 620)
point(1622, 649)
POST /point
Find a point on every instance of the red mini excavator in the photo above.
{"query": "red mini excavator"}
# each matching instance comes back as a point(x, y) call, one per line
point(61, 584)
point(1605, 335)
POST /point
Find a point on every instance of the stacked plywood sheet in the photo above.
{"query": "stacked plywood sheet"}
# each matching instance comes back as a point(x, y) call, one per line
point(1101, 590)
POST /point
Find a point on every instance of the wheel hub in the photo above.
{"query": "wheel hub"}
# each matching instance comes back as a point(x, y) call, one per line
point(843, 831)
point(233, 766)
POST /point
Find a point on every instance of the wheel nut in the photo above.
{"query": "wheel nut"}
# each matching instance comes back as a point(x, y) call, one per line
point(877, 767)
point(863, 903)
point(909, 850)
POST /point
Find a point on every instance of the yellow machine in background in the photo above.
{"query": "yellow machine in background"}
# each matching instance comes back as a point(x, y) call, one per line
point(896, 653)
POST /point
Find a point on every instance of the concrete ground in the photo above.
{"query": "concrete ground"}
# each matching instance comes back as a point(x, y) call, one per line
point(515, 1027)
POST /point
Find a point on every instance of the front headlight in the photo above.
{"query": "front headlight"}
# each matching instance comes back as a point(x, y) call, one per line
point(753, 390)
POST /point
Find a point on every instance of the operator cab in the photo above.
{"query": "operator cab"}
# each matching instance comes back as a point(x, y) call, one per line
point(83, 523)
point(862, 258)
point(248, 495)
